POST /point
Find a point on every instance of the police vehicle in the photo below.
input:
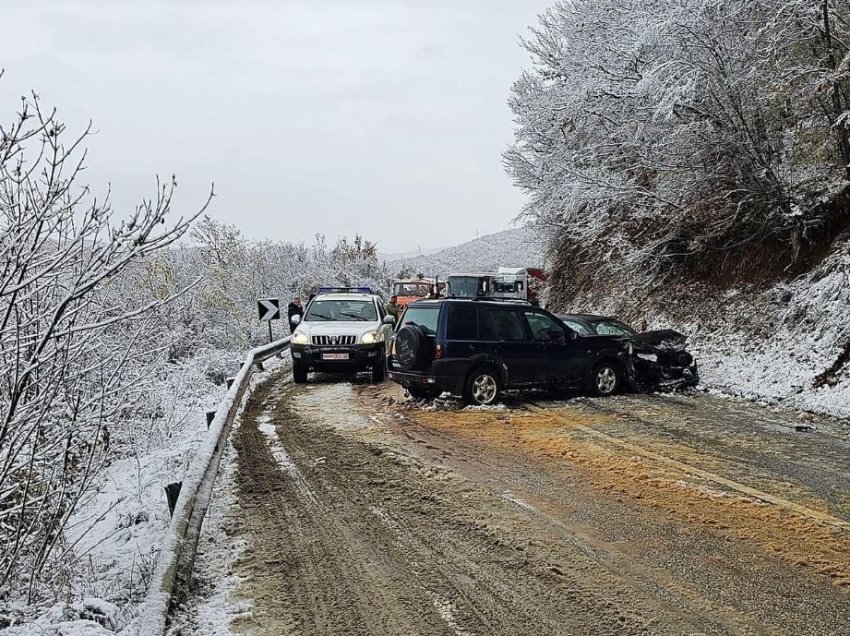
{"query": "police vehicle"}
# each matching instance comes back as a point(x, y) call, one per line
point(343, 330)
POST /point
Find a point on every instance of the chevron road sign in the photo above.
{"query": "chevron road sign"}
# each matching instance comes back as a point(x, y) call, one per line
point(268, 308)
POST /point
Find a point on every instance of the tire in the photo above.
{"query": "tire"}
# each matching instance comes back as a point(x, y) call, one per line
point(299, 374)
point(421, 393)
point(605, 379)
point(483, 387)
point(410, 345)
point(379, 371)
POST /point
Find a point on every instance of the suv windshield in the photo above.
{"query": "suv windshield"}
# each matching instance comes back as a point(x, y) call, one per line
point(331, 310)
point(424, 317)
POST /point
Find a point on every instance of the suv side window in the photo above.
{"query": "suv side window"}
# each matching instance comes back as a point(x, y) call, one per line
point(501, 324)
point(544, 329)
point(462, 322)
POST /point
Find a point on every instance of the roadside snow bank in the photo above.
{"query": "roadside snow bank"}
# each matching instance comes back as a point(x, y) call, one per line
point(776, 345)
point(795, 334)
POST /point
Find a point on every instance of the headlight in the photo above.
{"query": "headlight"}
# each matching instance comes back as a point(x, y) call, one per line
point(371, 337)
point(300, 338)
point(650, 357)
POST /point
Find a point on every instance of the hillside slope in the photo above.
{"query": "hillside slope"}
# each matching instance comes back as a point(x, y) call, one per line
point(519, 247)
point(787, 343)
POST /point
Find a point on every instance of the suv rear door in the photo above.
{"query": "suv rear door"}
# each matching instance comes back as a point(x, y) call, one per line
point(503, 330)
point(556, 350)
point(462, 332)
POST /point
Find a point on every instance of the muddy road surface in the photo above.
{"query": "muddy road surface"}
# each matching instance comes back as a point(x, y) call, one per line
point(364, 514)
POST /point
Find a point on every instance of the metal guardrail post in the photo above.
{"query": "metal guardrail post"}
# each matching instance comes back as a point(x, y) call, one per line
point(172, 493)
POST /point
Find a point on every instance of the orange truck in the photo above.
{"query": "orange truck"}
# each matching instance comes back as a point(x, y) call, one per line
point(409, 289)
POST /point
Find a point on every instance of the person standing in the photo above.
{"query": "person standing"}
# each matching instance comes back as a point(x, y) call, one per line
point(295, 308)
point(392, 307)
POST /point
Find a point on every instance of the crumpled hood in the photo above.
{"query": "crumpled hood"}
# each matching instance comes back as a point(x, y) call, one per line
point(660, 341)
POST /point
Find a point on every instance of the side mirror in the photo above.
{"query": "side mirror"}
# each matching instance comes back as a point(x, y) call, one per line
point(388, 320)
point(296, 319)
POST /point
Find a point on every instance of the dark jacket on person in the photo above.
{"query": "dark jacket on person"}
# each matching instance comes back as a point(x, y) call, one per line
point(294, 310)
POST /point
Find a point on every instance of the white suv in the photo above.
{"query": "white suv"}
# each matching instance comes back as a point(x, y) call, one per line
point(344, 329)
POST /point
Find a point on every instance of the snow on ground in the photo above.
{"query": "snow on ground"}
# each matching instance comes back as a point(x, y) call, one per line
point(764, 344)
point(798, 332)
point(89, 617)
point(772, 372)
point(116, 533)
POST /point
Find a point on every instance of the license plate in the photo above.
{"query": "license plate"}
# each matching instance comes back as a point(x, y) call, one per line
point(334, 356)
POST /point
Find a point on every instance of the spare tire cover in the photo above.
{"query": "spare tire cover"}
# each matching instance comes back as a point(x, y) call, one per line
point(408, 344)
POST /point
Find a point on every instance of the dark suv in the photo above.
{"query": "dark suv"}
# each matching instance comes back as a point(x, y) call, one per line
point(477, 348)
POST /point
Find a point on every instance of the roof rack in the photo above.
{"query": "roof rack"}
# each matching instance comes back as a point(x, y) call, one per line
point(345, 290)
point(503, 299)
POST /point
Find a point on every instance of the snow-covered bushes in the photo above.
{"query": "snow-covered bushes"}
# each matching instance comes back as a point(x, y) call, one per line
point(71, 346)
point(220, 310)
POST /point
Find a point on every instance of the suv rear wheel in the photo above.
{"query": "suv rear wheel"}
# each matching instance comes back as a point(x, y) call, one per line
point(482, 387)
point(605, 379)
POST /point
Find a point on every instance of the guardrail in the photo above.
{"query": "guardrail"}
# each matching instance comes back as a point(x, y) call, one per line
point(178, 550)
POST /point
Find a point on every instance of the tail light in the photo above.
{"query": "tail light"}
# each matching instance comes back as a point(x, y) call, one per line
point(438, 352)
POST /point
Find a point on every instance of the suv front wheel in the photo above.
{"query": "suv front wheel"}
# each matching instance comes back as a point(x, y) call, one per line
point(299, 373)
point(379, 371)
point(605, 379)
point(482, 387)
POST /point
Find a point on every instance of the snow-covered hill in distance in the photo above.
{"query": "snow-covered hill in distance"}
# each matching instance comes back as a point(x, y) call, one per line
point(391, 257)
point(518, 247)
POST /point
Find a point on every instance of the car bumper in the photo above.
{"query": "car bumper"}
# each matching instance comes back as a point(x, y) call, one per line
point(652, 375)
point(327, 358)
point(436, 383)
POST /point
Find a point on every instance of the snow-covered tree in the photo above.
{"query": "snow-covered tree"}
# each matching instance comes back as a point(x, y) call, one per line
point(70, 341)
point(651, 134)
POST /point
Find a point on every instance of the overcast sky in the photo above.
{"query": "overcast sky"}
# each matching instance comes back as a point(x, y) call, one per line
point(384, 117)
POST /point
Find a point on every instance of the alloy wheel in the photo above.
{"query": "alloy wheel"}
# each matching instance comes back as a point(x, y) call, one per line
point(606, 380)
point(484, 389)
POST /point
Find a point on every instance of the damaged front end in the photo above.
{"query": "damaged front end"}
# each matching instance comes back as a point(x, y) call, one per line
point(660, 360)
